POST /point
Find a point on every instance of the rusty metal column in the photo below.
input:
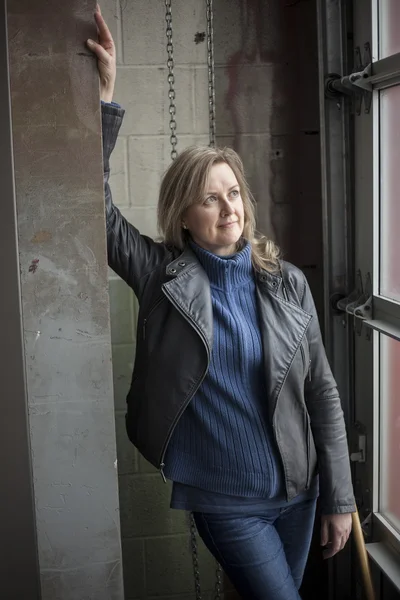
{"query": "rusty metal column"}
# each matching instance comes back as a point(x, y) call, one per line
point(56, 137)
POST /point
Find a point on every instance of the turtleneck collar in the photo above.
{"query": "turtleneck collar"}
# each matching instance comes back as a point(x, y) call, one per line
point(226, 271)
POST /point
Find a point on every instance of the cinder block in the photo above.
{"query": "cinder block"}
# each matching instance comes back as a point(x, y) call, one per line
point(246, 32)
point(126, 452)
point(142, 92)
point(119, 173)
point(134, 569)
point(121, 312)
point(201, 102)
point(246, 98)
point(189, 25)
point(144, 219)
point(123, 357)
point(169, 566)
point(144, 32)
point(144, 505)
point(228, 30)
point(146, 166)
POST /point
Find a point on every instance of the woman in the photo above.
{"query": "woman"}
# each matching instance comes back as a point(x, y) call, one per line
point(232, 397)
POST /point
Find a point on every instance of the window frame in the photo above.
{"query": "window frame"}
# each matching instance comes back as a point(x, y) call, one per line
point(385, 73)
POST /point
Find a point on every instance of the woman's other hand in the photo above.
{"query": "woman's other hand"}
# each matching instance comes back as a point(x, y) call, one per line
point(335, 531)
point(106, 57)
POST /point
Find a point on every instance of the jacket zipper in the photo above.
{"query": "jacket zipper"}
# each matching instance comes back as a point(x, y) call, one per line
point(178, 416)
point(149, 315)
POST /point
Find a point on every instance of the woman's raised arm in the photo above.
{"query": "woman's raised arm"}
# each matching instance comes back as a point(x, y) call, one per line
point(130, 254)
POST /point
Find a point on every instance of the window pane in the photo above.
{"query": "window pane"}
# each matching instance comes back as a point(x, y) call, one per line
point(389, 18)
point(390, 430)
point(390, 192)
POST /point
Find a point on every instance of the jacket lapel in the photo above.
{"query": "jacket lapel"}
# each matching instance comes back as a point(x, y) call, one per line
point(189, 290)
point(283, 323)
point(283, 326)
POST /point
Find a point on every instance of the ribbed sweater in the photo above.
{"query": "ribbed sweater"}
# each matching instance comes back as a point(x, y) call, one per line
point(223, 442)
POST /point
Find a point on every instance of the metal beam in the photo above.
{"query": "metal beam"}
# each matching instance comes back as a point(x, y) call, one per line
point(19, 574)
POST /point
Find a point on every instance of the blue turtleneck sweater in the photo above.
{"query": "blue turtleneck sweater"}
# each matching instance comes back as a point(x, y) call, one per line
point(223, 442)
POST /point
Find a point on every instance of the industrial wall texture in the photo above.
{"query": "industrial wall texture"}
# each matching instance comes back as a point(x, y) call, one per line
point(267, 109)
point(64, 299)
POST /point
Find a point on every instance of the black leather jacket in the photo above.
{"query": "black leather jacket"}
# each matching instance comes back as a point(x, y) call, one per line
point(174, 341)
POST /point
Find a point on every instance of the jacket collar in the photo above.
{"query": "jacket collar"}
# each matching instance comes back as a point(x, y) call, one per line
point(283, 322)
point(188, 259)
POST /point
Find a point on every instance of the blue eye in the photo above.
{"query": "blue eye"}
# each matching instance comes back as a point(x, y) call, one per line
point(235, 193)
point(210, 200)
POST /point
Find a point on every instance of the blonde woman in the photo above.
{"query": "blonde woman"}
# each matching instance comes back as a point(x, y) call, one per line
point(232, 397)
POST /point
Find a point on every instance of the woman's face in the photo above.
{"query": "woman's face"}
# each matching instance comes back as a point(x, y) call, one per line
point(216, 222)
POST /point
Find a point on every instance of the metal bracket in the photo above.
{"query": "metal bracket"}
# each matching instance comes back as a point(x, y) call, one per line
point(362, 446)
point(355, 84)
point(361, 454)
point(358, 304)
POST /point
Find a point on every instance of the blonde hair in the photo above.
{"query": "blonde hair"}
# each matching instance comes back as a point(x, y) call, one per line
point(184, 183)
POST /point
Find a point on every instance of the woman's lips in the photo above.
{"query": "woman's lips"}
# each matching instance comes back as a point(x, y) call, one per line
point(227, 225)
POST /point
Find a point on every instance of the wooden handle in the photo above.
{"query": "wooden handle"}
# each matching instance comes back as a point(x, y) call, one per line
point(362, 553)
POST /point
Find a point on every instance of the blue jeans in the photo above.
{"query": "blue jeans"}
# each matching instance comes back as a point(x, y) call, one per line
point(263, 555)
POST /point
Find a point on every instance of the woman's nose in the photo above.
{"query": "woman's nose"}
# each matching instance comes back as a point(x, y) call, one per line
point(227, 208)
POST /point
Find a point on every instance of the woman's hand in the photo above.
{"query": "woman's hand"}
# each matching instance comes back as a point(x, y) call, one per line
point(335, 531)
point(106, 57)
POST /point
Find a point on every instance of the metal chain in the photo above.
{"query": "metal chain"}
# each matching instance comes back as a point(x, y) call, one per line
point(218, 583)
point(195, 556)
point(211, 70)
point(171, 79)
point(195, 560)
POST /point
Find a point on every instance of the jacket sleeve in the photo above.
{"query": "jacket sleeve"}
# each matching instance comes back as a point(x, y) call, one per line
point(327, 422)
point(131, 255)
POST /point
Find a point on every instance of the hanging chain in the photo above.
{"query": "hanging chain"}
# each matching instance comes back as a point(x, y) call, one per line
point(195, 559)
point(171, 79)
point(211, 70)
point(195, 556)
point(218, 583)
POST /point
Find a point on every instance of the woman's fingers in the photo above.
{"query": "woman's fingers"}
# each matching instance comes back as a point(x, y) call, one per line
point(324, 532)
point(102, 54)
point(335, 531)
point(105, 37)
point(104, 50)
